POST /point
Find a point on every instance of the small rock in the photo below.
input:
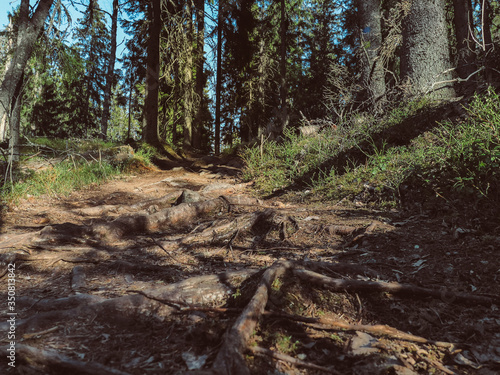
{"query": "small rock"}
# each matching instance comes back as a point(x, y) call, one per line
point(189, 196)
point(362, 344)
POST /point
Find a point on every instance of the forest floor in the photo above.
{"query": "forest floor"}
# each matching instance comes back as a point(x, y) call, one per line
point(185, 271)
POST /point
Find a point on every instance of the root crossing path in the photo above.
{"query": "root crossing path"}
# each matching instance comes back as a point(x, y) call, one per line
point(183, 272)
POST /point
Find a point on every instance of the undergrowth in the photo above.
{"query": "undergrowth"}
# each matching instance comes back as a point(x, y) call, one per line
point(84, 163)
point(60, 179)
point(453, 161)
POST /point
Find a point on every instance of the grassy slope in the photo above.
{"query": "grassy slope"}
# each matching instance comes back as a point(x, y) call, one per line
point(420, 153)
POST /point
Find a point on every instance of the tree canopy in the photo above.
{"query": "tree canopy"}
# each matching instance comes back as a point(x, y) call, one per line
point(200, 75)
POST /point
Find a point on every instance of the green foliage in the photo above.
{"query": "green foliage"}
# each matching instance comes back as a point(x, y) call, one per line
point(285, 344)
point(146, 153)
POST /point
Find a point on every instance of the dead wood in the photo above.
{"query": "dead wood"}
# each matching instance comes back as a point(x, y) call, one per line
point(41, 361)
point(257, 350)
point(379, 329)
point(230, 358)
point(405, 290)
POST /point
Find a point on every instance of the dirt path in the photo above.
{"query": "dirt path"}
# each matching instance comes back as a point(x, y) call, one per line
point(185, 272)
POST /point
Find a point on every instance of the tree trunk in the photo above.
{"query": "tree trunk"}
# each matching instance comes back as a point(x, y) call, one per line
point(425, 60)
point(10, 45)
point(283, 83)
point(219, 80)
point(152, 74)
point(200, 80)
point(188, 80)
point(463, 19)
point(28, 32)
point(370, 36)
point(110, 73)
point(488, 46)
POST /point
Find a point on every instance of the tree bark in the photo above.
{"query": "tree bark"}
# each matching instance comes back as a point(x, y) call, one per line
point(370, 36)
point(188, 79)
point(425, 58)
point(200, 80)
point(151, 135)
point(283, 82)
point(463, 19)
point(218, 85)
point(110, 72)
point(28, 32)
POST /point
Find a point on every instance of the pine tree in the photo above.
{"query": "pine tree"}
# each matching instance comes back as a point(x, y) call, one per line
point(93, 39)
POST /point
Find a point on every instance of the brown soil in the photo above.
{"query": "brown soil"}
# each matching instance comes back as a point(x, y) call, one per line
point(104, 300)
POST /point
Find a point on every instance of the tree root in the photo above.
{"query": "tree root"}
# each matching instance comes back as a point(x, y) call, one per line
point(405, 290)
point(41, 361)
point(230, 358)
point(257, 350)
point(161, 302)
point(379, 329)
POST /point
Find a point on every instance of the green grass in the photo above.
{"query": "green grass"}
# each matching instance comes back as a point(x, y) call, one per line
point(61, 179)
point(276, 165)
point(449, 161)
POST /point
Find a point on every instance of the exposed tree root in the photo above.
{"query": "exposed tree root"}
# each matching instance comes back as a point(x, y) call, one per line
point(150, 205)
point(405, 290)
point(257, 350)
point(223, 231)
point(230, 359)
point(182, 214)
point(40, 361)
point(150, 302)
point(381, 330)
point(160, 303)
